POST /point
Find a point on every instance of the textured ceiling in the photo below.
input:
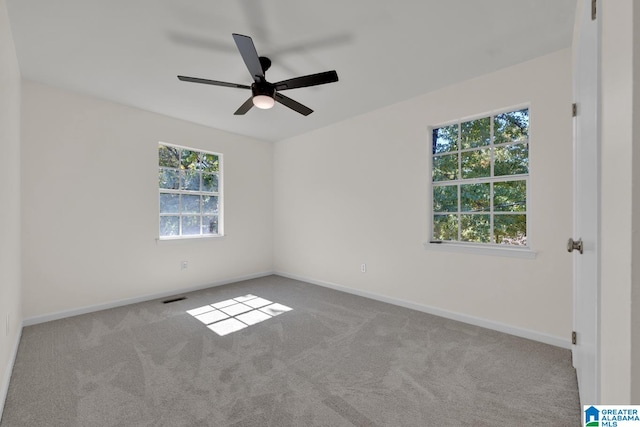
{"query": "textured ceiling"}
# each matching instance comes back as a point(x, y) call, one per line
point(384, 52)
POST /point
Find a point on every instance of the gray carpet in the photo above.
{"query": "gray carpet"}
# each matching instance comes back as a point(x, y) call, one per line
point(334, 360)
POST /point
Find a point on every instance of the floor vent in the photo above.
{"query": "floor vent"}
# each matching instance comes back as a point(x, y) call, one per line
point(169, 301)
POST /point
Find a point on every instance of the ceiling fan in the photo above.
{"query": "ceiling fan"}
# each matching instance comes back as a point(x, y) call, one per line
point(265, 94)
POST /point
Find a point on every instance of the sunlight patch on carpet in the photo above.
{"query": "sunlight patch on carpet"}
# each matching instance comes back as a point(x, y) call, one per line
point(234, 314)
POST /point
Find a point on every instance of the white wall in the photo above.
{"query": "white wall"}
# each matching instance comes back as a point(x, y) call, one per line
point(620, 229)
point(616, 205)
point(10, 294)
point(356, 192)
point(90, 204)
point(635, 261)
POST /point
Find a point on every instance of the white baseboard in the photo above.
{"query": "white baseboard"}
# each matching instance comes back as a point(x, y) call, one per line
point(119, 303)
point(476, 321)
point(6, 378)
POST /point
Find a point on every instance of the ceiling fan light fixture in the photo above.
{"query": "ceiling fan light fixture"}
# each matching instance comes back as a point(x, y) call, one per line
point(263, 102)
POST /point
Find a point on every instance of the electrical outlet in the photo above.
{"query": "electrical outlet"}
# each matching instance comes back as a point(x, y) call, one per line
point(363, 268)
point(184, 265)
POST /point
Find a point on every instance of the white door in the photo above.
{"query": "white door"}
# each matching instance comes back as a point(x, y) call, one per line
point(585, 203)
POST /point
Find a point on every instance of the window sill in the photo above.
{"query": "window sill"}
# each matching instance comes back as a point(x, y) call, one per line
point(509, 252)
point(188, 238)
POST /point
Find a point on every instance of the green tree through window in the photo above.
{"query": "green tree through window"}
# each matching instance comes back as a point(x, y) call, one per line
point(189, 187)
point(479, 179)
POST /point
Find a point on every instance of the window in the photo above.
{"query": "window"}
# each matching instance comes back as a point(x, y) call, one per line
point(190, 192)
point(479, 180)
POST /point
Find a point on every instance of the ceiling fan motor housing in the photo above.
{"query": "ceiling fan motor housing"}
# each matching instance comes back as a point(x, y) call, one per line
point(263, 88)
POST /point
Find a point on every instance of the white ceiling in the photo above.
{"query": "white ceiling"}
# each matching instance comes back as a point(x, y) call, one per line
point(130, 51)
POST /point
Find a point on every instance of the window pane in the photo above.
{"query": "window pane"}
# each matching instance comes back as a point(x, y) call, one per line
point(209, 162)
point(210, 224)
point(510, 196)
point(445, 227)
point(510, 229)
point(475, 228)
point(475, 133)
point(168, 178)
point(445, 139)
point(169, 226)
point(513, 126)
point(445, 198)
point(189, 159)
point(475, 197)
point(445, 168)
point(169, 203)
point(190, 204)
point(169, 156)
point(511, 160)
point(190, 225)
point(476, 208)
point(209, 204)
point(210, 182)
point(476, 164)
point(190, 180)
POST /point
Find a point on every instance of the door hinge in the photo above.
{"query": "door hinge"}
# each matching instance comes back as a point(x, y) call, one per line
point(574, 109)
point(574, 337)
point(593, 10)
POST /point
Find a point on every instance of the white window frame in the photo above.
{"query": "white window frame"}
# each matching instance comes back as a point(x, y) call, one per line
point(490, 248)
point(218, 194)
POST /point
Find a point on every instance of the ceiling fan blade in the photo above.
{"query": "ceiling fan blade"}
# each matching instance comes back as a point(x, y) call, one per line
point(310, 80)
point(244, 107)
point(294, 105)
point(212, 82)
point(250, 56)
